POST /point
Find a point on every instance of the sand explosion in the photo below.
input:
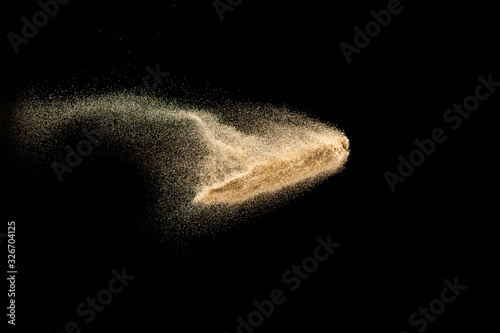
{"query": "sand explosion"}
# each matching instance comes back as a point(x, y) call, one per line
point(198, 157)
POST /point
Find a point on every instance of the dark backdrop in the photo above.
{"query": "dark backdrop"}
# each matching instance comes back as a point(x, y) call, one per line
point(397, 247)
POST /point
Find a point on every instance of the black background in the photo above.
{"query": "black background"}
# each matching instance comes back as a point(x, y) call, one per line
point(397, 248)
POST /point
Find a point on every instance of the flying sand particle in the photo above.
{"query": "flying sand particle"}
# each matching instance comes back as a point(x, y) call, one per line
point(199, 158)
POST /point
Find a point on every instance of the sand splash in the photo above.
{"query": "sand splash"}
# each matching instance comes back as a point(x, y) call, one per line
point(198, 157)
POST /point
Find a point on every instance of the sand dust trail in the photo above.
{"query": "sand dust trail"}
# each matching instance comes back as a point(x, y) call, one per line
point(197, 159)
